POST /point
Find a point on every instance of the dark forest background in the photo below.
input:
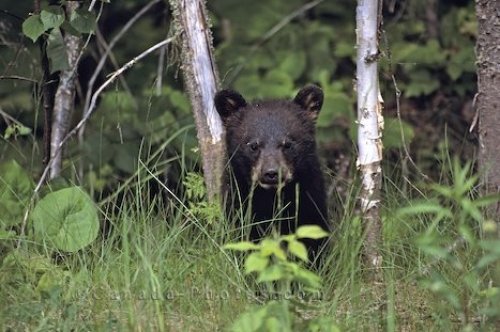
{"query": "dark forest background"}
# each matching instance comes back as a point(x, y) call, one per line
point(125, 238)
point(264, 50)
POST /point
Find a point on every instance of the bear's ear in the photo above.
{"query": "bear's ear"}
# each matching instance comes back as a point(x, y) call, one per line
point(310, 98)
point(227, 102)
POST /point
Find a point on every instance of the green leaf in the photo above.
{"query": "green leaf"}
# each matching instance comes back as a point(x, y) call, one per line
point(256, 262)
point(83, 21)
point(311, 232)
point(23, 130)
point(443, 190)
point(490, 292)
point(466, 233)
point(323, 324)
point(336, 105)
point(241, 246)
point(7, 235)
point(430, 54)
point(454, 70)
point(428, 244)
point(56, 51)
point(250, 321)
point(469, 207)
point(440, 287)
point(393, 129)
point(33, 27)
point(9, 131)
point(67, 219)
point(308, 278)
point(421, 207)
point(15, 129)
point(487, 200)
point(15, 191)
point(298, 249)
point(52, 17)
point(422, 84)
point(272, 273)
point(51, 282)
point(270, 247)
point(293, 63)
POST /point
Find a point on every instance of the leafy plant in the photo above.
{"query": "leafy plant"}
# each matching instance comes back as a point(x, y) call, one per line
point(15, 190)
point(459, 235)
point(276, 268)
point(198, 204)
point(51, 20)
point(66, 219)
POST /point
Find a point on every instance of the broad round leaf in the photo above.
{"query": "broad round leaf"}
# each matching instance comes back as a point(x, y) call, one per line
point(52, 17)
point(33, 27)
point(83, 21)
point(56, 51)
point(67, 219)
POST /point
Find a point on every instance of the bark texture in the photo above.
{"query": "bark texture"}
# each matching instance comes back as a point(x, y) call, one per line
point(202, 82)
point(64, 99)
point(488, 98)
point(48, 89)
point(370, 124)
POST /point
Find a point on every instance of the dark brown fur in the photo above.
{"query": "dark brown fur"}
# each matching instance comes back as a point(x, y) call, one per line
point(272, 150)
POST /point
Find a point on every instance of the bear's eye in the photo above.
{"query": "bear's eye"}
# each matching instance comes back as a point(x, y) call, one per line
point(287, 145)
point(254, 146)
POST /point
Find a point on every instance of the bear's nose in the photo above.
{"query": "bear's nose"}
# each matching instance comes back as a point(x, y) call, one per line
point(271, 176)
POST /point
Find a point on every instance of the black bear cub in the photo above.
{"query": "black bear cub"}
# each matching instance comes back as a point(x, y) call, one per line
point(272, 151)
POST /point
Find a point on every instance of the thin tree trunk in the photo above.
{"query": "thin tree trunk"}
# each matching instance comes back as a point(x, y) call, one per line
point(488, 98)
point(201, 80)
point(64, 99)
point(48, 89)
point(370, 125)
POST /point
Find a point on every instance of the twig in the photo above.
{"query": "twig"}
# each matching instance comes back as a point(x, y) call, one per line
point(91, 6)
point(159, 75)
point(16, 77)
point(9, 118)
point(101, 63)
point(398, 106)
point(106, 50)
point(401, 131)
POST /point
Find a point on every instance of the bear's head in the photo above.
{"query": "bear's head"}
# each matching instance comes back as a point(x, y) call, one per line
point(270, 142)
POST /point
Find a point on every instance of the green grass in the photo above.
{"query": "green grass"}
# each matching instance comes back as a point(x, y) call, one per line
point(161, 267)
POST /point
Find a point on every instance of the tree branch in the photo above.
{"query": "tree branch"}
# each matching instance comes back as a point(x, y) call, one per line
point(93, 103)
point(104, 57)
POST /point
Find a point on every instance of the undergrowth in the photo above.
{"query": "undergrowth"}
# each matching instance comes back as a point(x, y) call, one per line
point(162, 263)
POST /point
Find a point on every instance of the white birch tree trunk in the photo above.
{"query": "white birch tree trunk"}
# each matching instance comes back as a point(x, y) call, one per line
point(370, 125)
point(64, 99)
point(201, 80)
